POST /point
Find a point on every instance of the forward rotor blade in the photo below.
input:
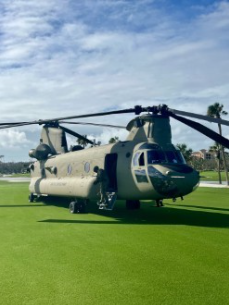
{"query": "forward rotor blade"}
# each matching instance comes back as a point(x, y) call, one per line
point(200, 116)
point(202, 129)
point(93, 124)
point(163, 109)
point(15, 123)
point(75, 134)
point(136, 110)
point(131, 110)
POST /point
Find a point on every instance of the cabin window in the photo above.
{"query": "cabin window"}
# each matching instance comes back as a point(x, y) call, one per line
point(87, 167)
point(69, 169)
point(140, 175)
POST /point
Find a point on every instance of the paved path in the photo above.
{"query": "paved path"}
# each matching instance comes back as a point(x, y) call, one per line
point(213, 184)
point(15, 179)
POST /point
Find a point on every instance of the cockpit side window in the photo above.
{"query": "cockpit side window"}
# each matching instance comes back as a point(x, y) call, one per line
point(139, 159)
point(135, 159)
point(180, 157)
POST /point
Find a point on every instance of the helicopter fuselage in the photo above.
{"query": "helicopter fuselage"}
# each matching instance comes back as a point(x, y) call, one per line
point(136, 171)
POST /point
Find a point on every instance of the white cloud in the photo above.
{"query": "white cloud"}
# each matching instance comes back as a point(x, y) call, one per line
point(107, 134)
point(61, 58)
point(12, 139)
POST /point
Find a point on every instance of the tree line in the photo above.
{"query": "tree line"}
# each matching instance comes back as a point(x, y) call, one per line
point(7, 168)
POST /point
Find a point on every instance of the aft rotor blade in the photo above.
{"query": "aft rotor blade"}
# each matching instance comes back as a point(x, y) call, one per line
point(202, 129)
point(200, 116)
point(93, 124)
point(75, 134)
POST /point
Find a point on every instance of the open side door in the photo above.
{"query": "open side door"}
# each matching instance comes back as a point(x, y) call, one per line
point(111, 170)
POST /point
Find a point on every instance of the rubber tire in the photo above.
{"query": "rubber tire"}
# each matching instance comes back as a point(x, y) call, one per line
point(73, 207)
point(31, 197)
point(78, 206)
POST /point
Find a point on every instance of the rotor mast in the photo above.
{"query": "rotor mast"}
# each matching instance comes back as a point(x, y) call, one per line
point(150, 128)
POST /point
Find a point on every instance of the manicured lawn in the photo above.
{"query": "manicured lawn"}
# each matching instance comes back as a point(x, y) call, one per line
point(20, 175)
point(178, 254)
point(212, 176)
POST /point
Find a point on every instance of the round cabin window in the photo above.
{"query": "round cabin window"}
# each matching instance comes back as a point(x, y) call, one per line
point(87, 167)
point(69, 169)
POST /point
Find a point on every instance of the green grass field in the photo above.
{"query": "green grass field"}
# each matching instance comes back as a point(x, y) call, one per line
point(20, 175)
point(178, 254)
point(212, 176)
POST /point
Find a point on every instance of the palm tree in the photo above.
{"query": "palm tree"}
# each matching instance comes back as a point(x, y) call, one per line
point(215, 111)
point(216, 150)
point(95, 143)
point(113, 140)
point(82, 141)
point(186, 152)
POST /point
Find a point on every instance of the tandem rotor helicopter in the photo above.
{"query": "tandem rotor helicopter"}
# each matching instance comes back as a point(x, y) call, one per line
point(144, 166)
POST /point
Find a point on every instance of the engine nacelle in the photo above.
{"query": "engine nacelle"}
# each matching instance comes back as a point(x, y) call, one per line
point(41, 152)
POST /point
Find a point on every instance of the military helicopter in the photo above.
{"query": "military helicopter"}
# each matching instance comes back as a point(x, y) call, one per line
point(144, 166)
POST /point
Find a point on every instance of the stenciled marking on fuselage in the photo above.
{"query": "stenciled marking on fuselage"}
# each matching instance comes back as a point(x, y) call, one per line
point(58, 183)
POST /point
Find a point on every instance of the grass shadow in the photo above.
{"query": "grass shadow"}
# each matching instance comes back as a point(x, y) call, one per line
point(21, 206)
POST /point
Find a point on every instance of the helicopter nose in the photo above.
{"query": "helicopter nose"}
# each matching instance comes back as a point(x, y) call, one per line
point(174, 181)
point(183, 183)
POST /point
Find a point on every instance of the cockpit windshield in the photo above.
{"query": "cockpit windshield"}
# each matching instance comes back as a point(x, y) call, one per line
point(175, 157)
point(159, 156)
point(155, 156)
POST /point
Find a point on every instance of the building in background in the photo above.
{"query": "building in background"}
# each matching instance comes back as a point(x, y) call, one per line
point(204, 154)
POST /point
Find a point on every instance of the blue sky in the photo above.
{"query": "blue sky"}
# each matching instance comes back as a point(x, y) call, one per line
point(70, 57)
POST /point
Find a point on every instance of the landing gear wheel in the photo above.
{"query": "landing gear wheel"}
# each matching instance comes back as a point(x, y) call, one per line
point(72, 207)
point(78, 206)
point(133, 204)
point(31, 197)
point(159, 203)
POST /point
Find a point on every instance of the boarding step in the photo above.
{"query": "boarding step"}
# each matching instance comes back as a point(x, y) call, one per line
point(112, 196)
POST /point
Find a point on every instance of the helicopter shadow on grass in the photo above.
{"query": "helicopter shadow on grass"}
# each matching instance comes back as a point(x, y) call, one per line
point(147, 215)
point(21, 206)
point(200, 207)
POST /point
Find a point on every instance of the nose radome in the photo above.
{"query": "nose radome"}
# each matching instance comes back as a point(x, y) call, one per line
point(175, 181)
point(186, 182)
